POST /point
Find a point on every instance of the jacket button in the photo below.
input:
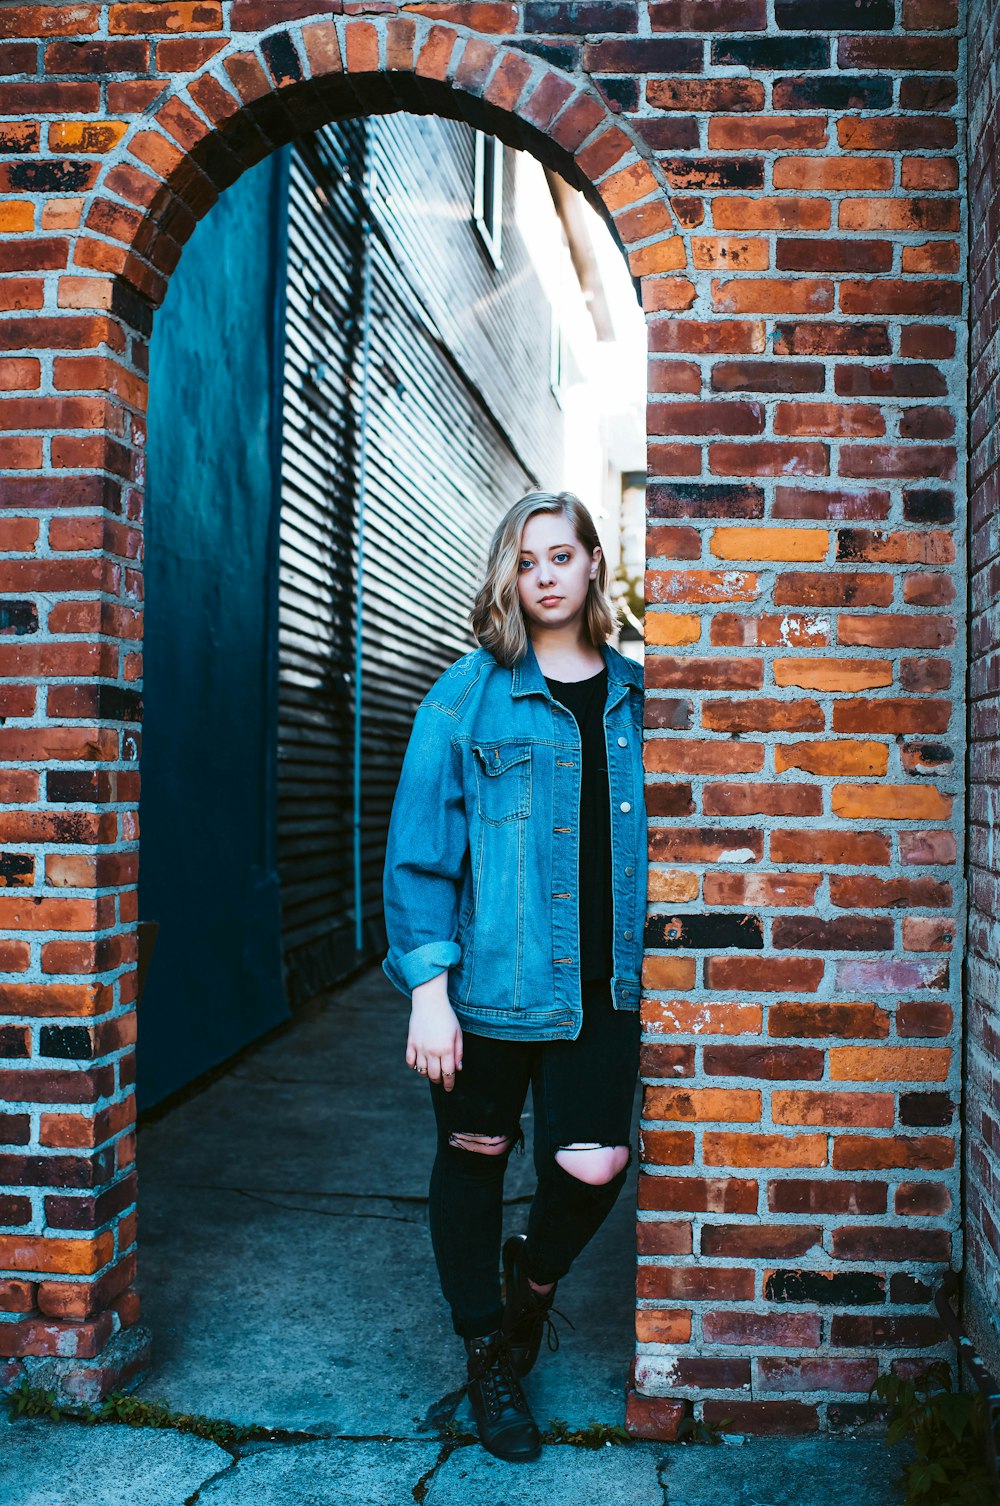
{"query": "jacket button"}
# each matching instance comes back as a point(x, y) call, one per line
point(623, 742)
point(625, 806)
point(629, 871)
point(627, 935)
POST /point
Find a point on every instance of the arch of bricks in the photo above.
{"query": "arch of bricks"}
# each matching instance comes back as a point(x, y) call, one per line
point(790, 200)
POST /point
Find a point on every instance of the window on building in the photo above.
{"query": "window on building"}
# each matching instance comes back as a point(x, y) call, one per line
point(487, 195)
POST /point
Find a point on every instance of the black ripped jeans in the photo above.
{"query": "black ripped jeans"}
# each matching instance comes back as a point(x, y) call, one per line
point(582, 1092)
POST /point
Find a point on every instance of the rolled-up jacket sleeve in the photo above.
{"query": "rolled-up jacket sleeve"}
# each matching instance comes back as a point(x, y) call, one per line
point(426, 850)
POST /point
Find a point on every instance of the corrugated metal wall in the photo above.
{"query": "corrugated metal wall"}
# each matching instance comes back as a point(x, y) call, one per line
point(460, 421)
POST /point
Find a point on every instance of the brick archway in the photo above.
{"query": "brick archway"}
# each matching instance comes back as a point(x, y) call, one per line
point(801, 278)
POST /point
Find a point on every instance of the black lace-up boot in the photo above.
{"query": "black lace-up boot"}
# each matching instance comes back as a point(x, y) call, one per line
point(525, 1311)
point(503, 1417)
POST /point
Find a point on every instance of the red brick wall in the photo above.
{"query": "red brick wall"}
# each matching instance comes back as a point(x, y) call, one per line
point(791, 200)
point(982, 1100)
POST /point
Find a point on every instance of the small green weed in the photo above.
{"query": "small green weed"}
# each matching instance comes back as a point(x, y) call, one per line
point(693, 1431)
point(594, 1435)
point(948, 1432)
point(26, 1400)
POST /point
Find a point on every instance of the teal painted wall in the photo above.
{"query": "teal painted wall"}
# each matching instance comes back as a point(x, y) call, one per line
point(207, 813)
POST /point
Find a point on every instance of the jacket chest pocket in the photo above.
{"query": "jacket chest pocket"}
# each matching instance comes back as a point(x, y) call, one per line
point(503, 781)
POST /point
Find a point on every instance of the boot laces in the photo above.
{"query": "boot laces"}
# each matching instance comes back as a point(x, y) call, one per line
point(500, 1386)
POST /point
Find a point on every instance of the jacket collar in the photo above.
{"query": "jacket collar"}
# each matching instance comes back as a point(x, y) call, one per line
point(529, 680)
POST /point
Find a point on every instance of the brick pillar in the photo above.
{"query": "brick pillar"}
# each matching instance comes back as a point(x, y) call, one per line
point(982, 1100)
point(790, 200)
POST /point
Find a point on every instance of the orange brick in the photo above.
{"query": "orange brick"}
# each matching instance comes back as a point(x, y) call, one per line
point(766, 133)
point(866, 1110)
point(700, 585)
point(722, 1148)
point(685, 1017)
point(16, 217)
point(87, 136)
point(914, 215)
point(834, 174)
point(669, 628)
point(654, 1325)
point(878, 1153)
point(674, 755)
point(713, 253)
point(773, 295)
point(890, 1063)
point(63, 1257)
point(744, 214)
point(832, 674)
point(770, 543)
point(716, 1104)
point(837, 757)
point(664, 973)
point(930, 174)
point(889, 802)
point(671, 886)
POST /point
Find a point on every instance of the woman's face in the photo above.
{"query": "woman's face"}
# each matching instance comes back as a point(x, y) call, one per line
point(554, 571)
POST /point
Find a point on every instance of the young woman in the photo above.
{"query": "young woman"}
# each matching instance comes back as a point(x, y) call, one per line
point(515, 898)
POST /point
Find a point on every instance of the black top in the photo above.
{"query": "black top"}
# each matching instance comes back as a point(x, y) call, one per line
point(586, 699)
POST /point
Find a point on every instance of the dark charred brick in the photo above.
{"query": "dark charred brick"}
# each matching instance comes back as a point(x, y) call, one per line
point(93, 1170)
point(669, 800)
point(768, 376)
point(281, 58)
point(862, 1331)
point(775, 1063)
point(673, 712)
point(833, 256)
point(14, 1042)
point(15, 1210)
point(903, 1289)
point(577, 20)
point(895, 379)
point(72, 786)
point(71, 1042)
point(559, 54)
point(53, 176)
point(705, 931)
point(693, 500)
point(18, 617)
point(825, 1288)
point(15, 1129)
point(697, 174)
point(828, 339)
point(928, 505)
point(919, 757)
point(835, 15)
point(118, 704)
point(91, 1212)
point(772, 53)
point(643, 55)
point(926, 1109)
point(810, 933)
point(928, 93)
point(674, 133)
point(811, 1195)
point(620, 93)
point(859, 91)
point(16, 868)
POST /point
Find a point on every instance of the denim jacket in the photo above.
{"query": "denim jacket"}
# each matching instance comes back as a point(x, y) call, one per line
point(482, 858)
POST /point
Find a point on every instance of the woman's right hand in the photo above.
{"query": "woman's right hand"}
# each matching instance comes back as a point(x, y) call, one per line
point(434, 1042)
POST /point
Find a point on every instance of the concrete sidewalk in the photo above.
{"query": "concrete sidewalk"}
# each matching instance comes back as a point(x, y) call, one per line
point(287, 1275)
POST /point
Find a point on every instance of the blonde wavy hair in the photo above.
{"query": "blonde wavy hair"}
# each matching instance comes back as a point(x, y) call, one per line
point(496, 616)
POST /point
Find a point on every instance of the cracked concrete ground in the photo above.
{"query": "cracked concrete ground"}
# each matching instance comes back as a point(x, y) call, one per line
point(287, 1275)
